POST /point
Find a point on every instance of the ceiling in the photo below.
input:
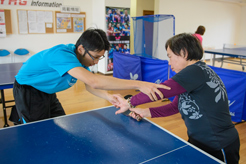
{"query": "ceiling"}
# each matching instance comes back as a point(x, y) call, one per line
point(240, 2)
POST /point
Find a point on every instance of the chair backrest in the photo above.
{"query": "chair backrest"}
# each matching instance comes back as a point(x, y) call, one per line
point(21, 55)
point(21, 51)
point(4, 52)
point(5, 56)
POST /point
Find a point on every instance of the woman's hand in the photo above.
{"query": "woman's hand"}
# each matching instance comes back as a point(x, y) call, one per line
point(143, 112)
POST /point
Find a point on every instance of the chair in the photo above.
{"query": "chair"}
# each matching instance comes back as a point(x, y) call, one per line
point(21, 55)
point(5, 56)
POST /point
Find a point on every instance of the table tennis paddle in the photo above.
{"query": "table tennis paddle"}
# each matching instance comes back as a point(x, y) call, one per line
point(128, 113)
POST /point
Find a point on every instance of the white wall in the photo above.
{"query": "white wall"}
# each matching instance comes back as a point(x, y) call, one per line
point(156, 6)
point(241, 34)
point(222, 20)
point(118, 3)
point(98, 21)
point(37, 42)
point(98, 14)
point(144, 5)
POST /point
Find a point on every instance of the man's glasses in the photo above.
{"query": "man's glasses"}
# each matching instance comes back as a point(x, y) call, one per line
point(94, 58)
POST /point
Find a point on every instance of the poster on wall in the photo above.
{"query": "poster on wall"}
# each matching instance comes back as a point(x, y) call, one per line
point(78, 24)
point(63, 21)
point(2, 24)
point(118, 32)
point(2, 31)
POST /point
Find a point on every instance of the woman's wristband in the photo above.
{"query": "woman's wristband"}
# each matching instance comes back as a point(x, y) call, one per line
point(138, 117)
point(129, 102)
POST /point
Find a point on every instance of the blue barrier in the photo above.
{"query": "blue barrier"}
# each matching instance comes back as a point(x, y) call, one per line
point(127, 66)
point(235, 84)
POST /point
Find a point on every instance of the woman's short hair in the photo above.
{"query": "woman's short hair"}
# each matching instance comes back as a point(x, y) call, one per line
point(93, 40)
point(200, 30)
point(186, 43)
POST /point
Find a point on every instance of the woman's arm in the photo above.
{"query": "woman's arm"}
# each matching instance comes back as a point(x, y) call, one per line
point(176, 89)
point(162, 111)
point(166, 110)
point(140, 98)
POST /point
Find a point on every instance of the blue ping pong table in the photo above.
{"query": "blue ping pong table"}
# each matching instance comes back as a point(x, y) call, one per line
point(7, 77)
point(96, 136)
point(239, 52)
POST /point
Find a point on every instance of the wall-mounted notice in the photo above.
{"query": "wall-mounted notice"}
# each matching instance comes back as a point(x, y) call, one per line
point(67, 22)
point(22, 19)
point(78, 23)
point(35, 22)
point(2, 24)
point(63, 21)
point(5, 22)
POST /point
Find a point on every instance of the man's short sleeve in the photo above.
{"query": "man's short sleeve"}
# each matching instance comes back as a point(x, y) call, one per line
point(62, 60)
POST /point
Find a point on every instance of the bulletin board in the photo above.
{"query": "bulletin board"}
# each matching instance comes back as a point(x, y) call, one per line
point(8, 24)
point(70, 22)
point(35, 21)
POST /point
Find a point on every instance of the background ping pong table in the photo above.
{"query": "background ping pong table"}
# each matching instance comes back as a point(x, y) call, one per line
point(232, 51)
point(96, 136)
point(7, 77)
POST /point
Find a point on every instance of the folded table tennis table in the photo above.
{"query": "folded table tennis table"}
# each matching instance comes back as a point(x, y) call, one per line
point(96, 136)
point(7, 77)
point(237, 52)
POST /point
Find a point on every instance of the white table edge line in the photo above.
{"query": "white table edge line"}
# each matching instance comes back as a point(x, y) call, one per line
point(54, 118)
point(186, 142)
point(163, 154)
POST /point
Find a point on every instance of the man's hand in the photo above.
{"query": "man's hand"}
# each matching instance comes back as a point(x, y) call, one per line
point(113, 99)
point(122, 104)
point(151, 88)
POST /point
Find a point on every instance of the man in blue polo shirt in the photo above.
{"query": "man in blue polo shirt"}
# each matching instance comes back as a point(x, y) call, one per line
point(58, 68)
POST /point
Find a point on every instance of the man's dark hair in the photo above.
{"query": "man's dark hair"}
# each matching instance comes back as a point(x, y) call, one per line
point(186, 43)
point(93, 40)
point(200, 30)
